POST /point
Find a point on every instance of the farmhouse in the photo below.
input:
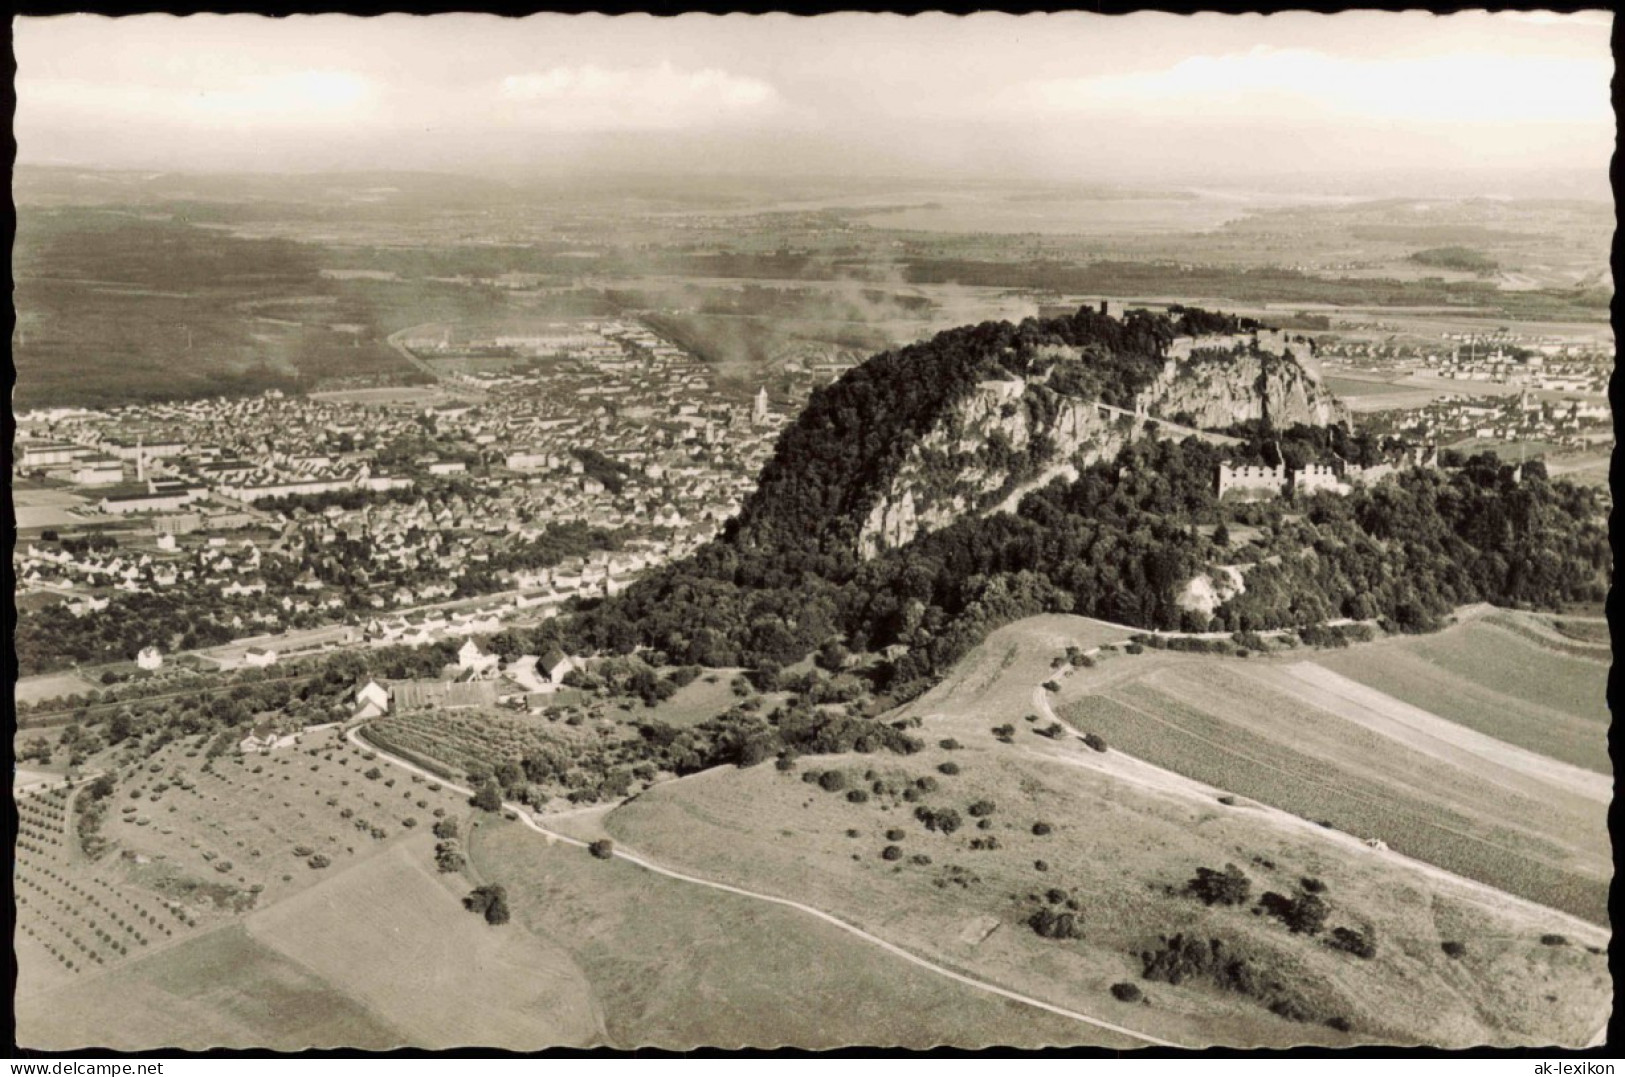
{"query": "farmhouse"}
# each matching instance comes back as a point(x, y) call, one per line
point(554, 666)
point(261, 738)
point(149, 658)
point(371, 701)
point(259, 657)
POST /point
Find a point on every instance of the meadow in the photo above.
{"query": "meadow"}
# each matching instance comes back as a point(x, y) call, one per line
point(1123, 837)
point(392, 935)
point(676, 966)
point(52, 686)
point(701, 699)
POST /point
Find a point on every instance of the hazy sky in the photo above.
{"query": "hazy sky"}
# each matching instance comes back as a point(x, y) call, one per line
point(1058, 96)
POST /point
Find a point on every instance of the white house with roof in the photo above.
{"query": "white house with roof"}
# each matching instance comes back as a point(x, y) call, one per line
point(473, 661)
point(261, 738)
point(259, 657)
point(149, 658)
point(371, 701)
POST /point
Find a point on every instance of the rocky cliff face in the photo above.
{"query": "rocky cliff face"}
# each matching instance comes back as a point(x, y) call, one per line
point(1003, 435)
point(1010, 436)
point(1220, 390)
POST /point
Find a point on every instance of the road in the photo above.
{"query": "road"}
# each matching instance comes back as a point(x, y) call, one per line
point(525, 817)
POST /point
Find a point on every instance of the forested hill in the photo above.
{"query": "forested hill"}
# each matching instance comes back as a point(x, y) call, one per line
point(853, 434)
point(1122, 541)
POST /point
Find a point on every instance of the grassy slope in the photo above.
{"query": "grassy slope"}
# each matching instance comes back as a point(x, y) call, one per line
point(1123, 833)
point(224, 989)
point(696, 701)
point(676, 966)
point(392, 936)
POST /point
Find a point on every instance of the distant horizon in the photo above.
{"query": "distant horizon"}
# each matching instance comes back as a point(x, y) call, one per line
point(1524, 184)
point(1141, 98)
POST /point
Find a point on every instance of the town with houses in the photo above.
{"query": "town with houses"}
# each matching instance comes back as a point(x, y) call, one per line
point(579, 459)
point(1502, 357)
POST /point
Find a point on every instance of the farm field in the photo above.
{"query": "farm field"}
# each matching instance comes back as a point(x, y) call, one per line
point(1305, 740)
point(676, 966)
point(52, 686)
point(269, 819)
point(223, 989)
point(405, 396)
point(393, 936)
point(1364, 395)
point(188, 850)
point(1586, 469)
point(1488, 678)
point(1346, 387)
point(454, 742)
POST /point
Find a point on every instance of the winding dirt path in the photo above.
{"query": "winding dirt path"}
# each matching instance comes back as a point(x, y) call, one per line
point(525, 817)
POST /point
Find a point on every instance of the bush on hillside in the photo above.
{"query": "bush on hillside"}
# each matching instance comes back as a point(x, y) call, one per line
point(1228, 887)
point(1350, 941)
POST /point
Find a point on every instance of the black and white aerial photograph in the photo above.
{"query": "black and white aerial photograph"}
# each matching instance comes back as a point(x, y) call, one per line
point(812, 532)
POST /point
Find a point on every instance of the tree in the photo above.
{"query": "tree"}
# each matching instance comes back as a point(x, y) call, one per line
point(832, 656)
point(489, 797)
point(448, 857)
point(602, 849)
point(1221, 536)
point(489, 901)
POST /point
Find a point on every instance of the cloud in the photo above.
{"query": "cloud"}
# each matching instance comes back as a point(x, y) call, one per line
point(1301, 84)
point(291, 99)
point(589, 98)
